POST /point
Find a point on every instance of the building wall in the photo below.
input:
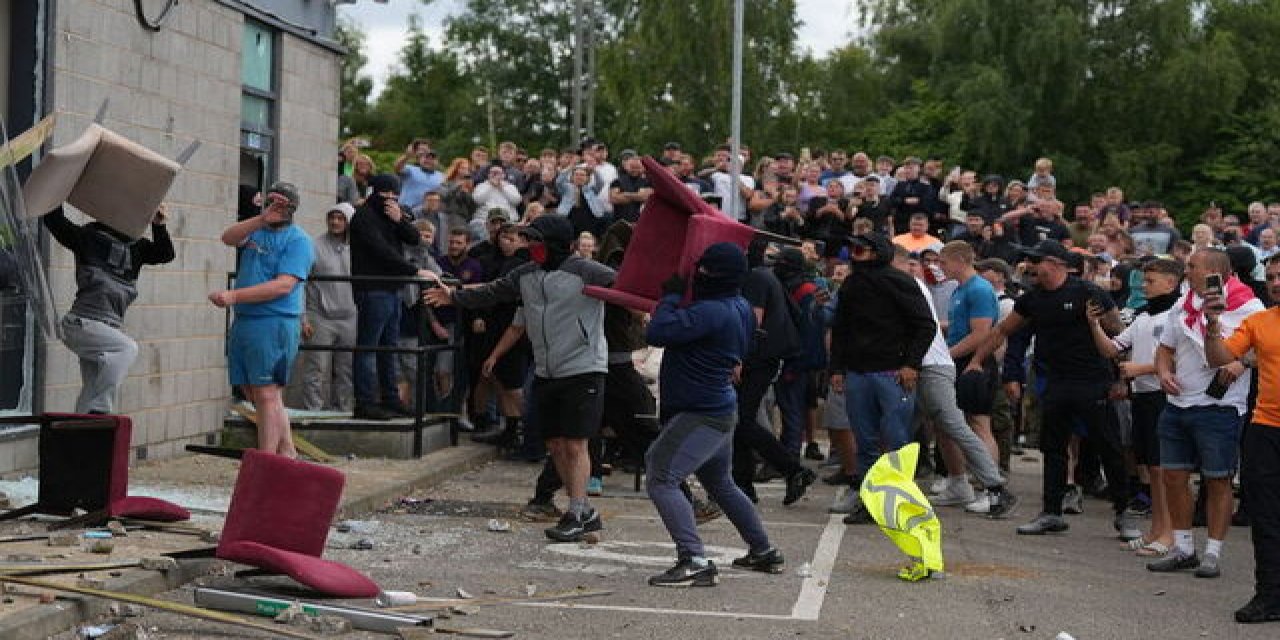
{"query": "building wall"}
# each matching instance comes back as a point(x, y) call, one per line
point(165, 90)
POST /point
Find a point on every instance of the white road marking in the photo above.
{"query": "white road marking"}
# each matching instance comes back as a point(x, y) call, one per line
point(613, 550)
point(681, 612)
point(725, 522)
point(814, 588)
point(808, 606)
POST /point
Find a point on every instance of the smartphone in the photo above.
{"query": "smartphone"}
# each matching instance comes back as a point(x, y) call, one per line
point(1213, 285)
point(821, 247)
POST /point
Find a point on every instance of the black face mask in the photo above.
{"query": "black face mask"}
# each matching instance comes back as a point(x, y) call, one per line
point(707, 286)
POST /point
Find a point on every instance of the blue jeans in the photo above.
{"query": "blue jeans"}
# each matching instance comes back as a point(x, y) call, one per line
point(701, 445)
point(880, 412)
point(1207, 436)
point(377, 324)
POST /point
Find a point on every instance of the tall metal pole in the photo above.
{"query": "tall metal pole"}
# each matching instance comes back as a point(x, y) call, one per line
point(576, 133)
point(590, 39)
point(735, 116)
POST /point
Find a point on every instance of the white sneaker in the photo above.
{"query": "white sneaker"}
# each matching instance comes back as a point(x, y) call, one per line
point(981, 505)
point(957, 493)
point(846, 502)
point(939, 485)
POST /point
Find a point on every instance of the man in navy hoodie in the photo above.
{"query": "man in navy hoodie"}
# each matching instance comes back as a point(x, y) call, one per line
point(705, 343)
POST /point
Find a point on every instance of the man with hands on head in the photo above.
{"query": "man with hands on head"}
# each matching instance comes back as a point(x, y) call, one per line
point(268, 302)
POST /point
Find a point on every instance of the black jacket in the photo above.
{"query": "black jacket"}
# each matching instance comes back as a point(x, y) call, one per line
point(377, 248)
point(882, 321)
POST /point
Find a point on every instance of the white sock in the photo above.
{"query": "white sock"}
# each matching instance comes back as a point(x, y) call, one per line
point(1213, 548)
point(698, 561)
point(1183, 542)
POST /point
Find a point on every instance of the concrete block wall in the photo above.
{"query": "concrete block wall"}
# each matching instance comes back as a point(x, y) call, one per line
point(165, 90)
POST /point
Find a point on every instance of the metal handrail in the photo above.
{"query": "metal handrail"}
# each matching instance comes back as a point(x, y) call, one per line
point(421, 351)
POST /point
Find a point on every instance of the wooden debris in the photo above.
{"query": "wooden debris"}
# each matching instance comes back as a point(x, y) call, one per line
point(164, 605)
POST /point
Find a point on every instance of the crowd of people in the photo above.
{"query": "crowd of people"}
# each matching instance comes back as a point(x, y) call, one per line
point(975, 315)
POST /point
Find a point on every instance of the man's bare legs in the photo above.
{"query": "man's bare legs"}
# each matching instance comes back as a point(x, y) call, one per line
point(274, 435)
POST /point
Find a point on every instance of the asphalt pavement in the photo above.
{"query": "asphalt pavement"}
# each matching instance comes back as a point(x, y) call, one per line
point(839, 581)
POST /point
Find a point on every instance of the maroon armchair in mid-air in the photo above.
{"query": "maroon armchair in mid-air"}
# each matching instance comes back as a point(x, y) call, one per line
point(675, 227)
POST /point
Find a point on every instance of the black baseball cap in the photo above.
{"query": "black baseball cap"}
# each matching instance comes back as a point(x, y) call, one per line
point(1050, 249)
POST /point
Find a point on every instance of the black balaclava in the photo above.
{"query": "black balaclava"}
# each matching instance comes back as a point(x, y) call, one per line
point(790, 267)
point(720, 272)
point(552, 241)
point(378, 184)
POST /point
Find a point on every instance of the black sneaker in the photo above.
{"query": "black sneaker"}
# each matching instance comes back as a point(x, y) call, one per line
point(765, 562)
point(838, 479)
point(797, 484)
point(1044, 523)
point(859, 515)
point(371, 412)
point(540, 511)
point(813, 452)
point(1175, 561)
point(1260, 609)
point(1002, 502)
point(687, 574)
point(573, 529)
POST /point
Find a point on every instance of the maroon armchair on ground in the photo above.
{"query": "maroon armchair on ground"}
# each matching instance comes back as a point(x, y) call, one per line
point(279, 519)
point(675, 227)
point(84, 464)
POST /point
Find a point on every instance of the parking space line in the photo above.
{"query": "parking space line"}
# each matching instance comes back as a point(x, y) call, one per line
point(683, 612)
point(808, 606)
point(814, 589)
point(655, 519)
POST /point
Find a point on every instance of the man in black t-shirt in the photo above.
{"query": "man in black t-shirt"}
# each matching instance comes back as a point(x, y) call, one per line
point(1077, 378)
point(630, 189)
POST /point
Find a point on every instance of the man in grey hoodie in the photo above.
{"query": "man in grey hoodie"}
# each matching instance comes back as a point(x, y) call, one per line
point(566, 329)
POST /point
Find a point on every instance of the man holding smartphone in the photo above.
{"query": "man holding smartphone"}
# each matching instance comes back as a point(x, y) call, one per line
point(1201, 424)
point(1260, 448)
point(1077, 379)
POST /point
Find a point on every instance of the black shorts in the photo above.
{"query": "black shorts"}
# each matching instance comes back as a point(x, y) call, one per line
point(569, 407)
point(1146, 409)
point(510, 370)
point(977, 396)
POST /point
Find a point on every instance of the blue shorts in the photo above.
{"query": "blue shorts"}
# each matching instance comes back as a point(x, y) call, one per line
point(261, 349)
point(1209, 436)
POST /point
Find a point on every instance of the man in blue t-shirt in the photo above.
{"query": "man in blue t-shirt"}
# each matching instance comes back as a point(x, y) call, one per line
point(417, 180)
point(973, 311)
point(268, 302)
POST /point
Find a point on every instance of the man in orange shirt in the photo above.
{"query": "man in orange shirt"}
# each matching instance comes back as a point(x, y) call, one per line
point(1260, 448)
point(917, 237)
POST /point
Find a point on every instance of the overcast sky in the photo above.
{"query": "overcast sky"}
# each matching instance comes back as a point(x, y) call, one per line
point(825, 25)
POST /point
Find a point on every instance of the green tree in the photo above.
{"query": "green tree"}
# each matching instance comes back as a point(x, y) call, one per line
point(355, 112)
point(667, 76)
point(427, 95)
